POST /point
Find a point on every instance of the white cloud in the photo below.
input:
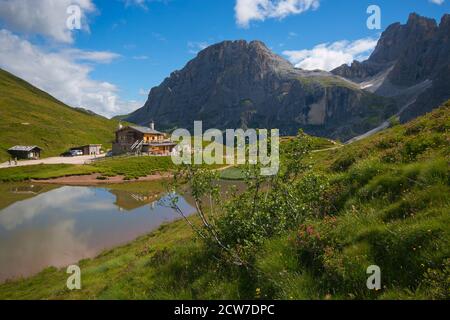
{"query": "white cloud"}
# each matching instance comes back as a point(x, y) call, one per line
point(64, 74)
point(44, 17)
point(248, 10)
point(18, 214)
point(439, 2)
point(138, 3)
point(90, 56)
point(143, 57)
point(195, 47)
point(143, 4)
point(328, 56)
point(144, 92)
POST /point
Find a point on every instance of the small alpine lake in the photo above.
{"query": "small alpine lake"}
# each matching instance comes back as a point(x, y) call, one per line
point(47, 225)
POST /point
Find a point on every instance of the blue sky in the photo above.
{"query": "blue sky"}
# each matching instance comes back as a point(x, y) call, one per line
point(126, 47)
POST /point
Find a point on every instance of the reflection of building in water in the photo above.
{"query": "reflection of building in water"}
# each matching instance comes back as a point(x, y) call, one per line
point(129, 201)
point(27, 189)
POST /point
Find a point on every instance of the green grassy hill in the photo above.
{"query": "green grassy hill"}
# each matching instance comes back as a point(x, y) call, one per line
point(29, 116)
point(380, 201)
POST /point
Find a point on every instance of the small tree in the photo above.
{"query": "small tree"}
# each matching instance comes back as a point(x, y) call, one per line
point(267, 207)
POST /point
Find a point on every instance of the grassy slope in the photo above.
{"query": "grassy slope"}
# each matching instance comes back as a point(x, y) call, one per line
point(29, 116)
point(391, 208)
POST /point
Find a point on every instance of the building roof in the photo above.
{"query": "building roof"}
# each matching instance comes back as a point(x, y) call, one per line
point(24, 148)
point(145, 130)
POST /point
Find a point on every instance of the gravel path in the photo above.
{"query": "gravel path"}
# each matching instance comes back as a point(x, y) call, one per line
point(53, 160)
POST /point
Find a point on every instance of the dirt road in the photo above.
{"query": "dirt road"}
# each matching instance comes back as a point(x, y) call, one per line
point(53, 160)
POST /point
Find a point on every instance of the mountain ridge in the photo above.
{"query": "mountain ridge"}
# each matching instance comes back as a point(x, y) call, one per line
point(240, 84)
point(243, 84)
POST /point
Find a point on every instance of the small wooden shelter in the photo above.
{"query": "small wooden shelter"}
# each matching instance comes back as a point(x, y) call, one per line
point(25, 152)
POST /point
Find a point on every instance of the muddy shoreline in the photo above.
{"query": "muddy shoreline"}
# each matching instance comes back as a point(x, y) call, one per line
point(93, 179)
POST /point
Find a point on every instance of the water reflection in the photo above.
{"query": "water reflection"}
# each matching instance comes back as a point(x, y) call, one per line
point(66, 224)
point(13, 192)
point(129, 201)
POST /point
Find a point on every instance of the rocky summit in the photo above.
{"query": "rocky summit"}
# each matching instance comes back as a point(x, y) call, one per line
point(240, 84)
point(411, 63)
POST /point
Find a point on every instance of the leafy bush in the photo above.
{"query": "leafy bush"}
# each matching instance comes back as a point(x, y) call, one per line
point(436, 283)
point(344, 162)
point(415, 147)
point(386, 143)
point(414, 203)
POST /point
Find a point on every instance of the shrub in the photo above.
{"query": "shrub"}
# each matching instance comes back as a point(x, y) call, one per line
point(405, 251)
point(339, 269)
point(386, 143)
point(436, 283)
point(311, 240)
point(344, 162)
point(390, 186)
point(414, 203)
point(413, 148)
point(390, 156)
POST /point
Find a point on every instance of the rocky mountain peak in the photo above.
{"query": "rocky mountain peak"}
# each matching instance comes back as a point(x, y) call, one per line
point(410, 62)
point(388, 46)
point(415, 20)
point(445, 23)
point(240, 53)
point(397, 37)
point(242, 84)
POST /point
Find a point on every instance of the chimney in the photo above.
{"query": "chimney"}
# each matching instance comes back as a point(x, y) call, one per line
point(152, 125)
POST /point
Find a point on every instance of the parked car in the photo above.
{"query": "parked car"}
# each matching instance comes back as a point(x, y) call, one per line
point(109, 154)
point(76, 153)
